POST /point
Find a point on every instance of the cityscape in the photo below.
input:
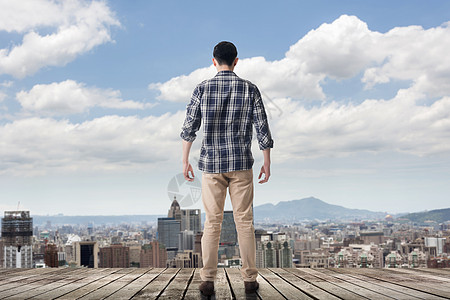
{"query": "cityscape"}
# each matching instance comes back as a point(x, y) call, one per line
point(174, 241)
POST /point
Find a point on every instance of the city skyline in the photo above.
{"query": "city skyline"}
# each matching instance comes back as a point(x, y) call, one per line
point(93, 96)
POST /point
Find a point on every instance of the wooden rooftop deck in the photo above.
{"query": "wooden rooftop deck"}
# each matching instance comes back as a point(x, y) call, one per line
point(81, 283)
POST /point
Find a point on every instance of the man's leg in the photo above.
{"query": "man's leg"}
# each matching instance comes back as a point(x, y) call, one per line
point(214, 189)
point(241, 194)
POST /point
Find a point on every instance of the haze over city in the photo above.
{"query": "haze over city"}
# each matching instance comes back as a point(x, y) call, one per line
point(93, 96)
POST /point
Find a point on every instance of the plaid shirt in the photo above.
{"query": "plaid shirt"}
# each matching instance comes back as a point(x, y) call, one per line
point(228, 106)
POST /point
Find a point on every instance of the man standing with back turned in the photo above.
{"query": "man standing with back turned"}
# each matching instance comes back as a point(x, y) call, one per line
point(228, 106)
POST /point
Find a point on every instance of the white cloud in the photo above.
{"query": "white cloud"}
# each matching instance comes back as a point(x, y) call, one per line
point(80, 26)
point(38, 145)
point(340, 50)
point(34, 146)
point(375, 126)
point(70, 97)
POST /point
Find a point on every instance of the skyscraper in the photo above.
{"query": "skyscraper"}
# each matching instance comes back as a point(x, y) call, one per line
point(174, 211)
point(191, 220)
point(168, 230)
point(228, 235)
point(186, 240)
point(17, 234)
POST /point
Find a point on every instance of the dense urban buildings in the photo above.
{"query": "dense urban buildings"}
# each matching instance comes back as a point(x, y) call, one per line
point(161, 243)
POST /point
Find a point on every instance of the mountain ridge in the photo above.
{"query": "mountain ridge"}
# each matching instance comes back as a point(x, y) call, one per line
point(311, 208)
point(436, 215)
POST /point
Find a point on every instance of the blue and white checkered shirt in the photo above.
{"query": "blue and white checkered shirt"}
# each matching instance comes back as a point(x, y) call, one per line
point(228, 106)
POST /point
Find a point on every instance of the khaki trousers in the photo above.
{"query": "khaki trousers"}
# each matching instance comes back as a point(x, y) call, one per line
point(214, 189)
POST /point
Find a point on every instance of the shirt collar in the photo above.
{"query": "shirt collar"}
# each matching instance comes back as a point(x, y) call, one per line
point(225, 72)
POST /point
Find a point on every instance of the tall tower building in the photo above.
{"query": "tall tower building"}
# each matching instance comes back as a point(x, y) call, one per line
point(17, 235)
point(186, 240)
point(175, 211)
point(228, 235)
point(191, 220)
point(168, 231)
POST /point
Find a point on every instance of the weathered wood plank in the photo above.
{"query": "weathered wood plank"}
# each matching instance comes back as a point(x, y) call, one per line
point(134, 287)
point(68, 283)
point(350, 286)
point(303, 285)
point(284, 288)
point(407, 291)
point(370, 285)
point(82, 279)
point(427, 276)
point(113, 286)
point(332, 288)
point(192, 292)
point(266, 291)
point(26, 284)
point(236, 282)
point(178, 285)
point(157, 286)
point(409, 281)
point(222, 286)
point(49, 285)
point(94, 285)
point(437, 272)
point(12, 276)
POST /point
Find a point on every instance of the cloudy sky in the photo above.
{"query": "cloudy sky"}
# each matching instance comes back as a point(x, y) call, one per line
point(93, 93)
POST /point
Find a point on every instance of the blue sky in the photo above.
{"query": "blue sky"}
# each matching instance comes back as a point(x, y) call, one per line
point(92, 98)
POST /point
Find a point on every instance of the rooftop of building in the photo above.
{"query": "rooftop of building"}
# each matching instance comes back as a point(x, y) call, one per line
point(173, 283)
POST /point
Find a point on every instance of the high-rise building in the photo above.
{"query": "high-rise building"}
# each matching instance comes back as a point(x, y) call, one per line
point(168, 230)
point(115, 256)
point(86, 254)
point(228, 235)
point(153, 255)
point(266, 256)
point(17, 235)
point(175, 211)
point(51, 256)
point(273, 254)
point(198, 243)
point(191, 220)
point(186, 240)
point(284, 256)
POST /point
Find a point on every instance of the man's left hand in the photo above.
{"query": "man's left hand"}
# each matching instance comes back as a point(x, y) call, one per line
point(187, 168)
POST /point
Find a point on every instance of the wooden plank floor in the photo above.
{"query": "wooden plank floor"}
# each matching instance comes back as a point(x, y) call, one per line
point(82, 283)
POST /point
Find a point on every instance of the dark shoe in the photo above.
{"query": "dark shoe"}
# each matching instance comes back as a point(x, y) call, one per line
point(251, 286)
point(207, 288)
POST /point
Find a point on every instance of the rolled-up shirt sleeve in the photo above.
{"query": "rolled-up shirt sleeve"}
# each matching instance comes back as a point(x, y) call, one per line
point(260, 122)
point(193, 117)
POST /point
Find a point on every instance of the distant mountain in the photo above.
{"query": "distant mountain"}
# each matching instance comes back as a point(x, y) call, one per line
point(311, 209)
point(437, 215)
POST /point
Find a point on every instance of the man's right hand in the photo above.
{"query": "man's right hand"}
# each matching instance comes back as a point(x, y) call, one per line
point(265, 169)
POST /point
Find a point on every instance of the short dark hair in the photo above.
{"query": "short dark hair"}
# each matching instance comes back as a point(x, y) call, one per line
point(225, 53)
